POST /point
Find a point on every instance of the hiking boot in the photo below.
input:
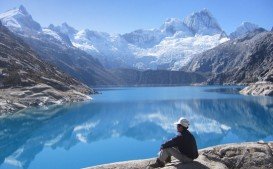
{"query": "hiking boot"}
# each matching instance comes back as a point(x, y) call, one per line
point(157, 164)
point(168, 160)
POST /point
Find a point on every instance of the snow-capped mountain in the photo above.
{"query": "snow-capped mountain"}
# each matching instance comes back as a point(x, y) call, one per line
point(151, 37)
point(53, 45)
point(167, 47)
point(173, 25)
point(243, 29)
point(18, 19)
point(111, 50)
point(64, 29)
point(203, 23)
point(144, 38)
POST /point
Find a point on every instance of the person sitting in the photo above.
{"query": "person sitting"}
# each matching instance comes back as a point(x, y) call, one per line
point(182, 147)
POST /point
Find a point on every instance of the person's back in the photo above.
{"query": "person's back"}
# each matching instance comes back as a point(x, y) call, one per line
point(188, 145)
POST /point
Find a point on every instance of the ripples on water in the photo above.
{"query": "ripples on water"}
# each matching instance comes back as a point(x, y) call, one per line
point(130, 123)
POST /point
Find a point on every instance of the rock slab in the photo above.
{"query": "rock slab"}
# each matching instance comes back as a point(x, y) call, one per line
point(14, 99)
point(261, 88)
point(250, 155)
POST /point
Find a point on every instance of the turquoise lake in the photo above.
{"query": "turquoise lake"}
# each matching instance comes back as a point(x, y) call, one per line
point(130, 123)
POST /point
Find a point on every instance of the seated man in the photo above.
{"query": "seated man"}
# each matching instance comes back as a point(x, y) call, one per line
point(182, 147)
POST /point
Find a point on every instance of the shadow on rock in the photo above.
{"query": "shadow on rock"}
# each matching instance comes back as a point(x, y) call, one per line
point(192, 165)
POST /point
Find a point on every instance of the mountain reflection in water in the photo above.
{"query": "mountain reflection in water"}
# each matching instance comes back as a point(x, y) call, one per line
point(216, 118)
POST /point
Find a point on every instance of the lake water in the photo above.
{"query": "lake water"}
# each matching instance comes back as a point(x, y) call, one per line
point(130, 123)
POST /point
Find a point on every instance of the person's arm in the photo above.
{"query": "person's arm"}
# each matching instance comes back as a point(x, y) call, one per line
point(174, 142)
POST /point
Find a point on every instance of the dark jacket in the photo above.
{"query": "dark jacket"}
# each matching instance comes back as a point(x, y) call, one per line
point(185, 142)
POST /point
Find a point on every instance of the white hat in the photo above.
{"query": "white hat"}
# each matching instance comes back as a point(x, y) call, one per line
point(184, 122)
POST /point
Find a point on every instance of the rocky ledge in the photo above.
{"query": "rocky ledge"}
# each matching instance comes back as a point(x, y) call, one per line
point(262, 88)
point(13, 99)
point(238, 156)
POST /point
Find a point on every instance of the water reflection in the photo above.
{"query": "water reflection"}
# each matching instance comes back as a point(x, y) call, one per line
point(213, 121)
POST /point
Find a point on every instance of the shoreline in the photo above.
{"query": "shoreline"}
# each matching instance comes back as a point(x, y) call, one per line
point(233, 155)
point(13, 100)
point(164, 85)
point(260, 88)
point(17, 99)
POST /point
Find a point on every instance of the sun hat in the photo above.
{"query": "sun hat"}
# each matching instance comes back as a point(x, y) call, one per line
point(184, 122)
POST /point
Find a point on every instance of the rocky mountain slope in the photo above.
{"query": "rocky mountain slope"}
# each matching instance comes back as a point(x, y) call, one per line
point(56, 48)
point(243, 60)
point(26, 80)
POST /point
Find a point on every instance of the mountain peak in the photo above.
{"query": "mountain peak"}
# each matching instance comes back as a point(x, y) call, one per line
point(243, 29)
point(205, 10)
point(67, 28)
point(172, 20)
point(23, 10)
point(64, 28)
point(18, 19)
point(203, 23)
point(249, 24)
point(65, 24)
point(173, 25)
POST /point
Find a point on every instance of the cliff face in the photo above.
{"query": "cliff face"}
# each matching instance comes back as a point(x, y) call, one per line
point(230, 156)
point(244, 60)
point(27, 80)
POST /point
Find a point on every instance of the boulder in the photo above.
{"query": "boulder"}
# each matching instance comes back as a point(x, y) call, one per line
point(261, 88)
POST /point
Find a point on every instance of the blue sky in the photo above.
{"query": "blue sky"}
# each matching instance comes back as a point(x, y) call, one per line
point(121, 16)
